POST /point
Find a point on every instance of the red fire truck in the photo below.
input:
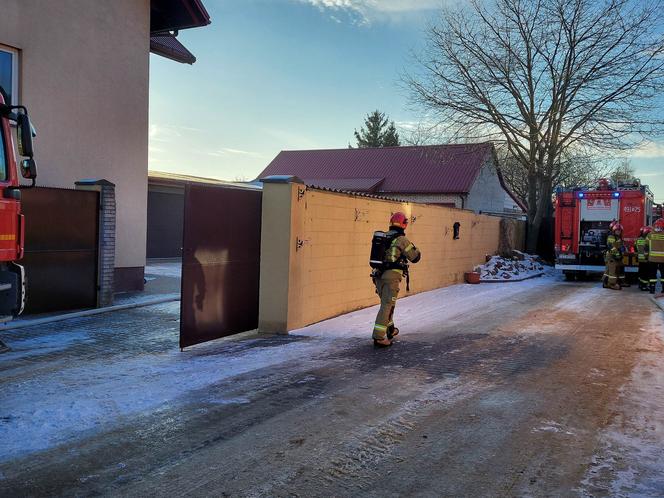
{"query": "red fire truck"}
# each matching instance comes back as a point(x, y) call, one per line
point(582, 218)
point(12, 223)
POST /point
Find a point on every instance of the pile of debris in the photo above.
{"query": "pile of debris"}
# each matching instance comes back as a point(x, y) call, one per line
point(519, 266)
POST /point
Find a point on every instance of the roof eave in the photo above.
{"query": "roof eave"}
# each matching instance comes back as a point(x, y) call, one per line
point(183, 56)
point(198, 14)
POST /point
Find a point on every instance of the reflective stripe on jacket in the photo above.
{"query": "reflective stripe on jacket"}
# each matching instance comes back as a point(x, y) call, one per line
point(642, 249)
point(655, 247)
point(401, 247)
point(614, 246)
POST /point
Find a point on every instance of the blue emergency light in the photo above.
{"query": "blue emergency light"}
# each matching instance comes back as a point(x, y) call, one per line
point(580, 195)
point(616, 194)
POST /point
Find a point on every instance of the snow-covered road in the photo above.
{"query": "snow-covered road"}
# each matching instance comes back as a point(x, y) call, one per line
point(512, 389)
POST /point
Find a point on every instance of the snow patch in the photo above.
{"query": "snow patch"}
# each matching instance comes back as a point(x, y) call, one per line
point(521, 266)
point(424, 312)
point(53, 409)
point(551, 426)
point(164, 269)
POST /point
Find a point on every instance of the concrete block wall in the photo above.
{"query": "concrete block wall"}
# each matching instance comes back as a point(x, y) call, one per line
point(319, 255)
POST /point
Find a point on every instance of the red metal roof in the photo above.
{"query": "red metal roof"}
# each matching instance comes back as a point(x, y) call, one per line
point(414, 169)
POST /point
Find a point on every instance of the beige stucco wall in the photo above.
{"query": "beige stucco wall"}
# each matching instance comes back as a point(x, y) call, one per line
point(84, 70)
point(329, 274)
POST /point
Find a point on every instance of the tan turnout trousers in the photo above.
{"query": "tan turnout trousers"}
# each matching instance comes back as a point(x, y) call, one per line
point(387, 287)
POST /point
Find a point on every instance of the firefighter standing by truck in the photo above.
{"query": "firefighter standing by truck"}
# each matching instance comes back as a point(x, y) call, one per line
point(656, 253)
point(391, 252)
point(614, 276)
point(641, 244)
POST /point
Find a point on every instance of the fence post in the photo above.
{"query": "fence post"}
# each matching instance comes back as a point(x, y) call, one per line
point(106, 241)
point(278, 247)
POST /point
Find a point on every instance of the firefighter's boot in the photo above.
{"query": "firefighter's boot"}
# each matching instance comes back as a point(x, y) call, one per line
point(392, 332)
point(382, 343)
point(614, 286)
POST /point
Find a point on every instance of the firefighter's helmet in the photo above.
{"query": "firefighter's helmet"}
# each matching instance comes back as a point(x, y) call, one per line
point(645, 230)
point(612, 224)
point(617, 227)
point(399, 219)
point(659, 225)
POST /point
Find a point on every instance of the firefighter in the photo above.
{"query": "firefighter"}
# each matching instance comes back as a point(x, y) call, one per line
point(656, 253)
point(613, 258)
point(608, 242)
point(389, 276)
point(641, 244)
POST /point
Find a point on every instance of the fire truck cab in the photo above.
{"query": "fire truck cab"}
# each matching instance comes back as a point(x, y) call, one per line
point(12, 223)
point(582, 219)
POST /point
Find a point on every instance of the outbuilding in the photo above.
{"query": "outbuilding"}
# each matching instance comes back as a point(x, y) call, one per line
point(464, 176)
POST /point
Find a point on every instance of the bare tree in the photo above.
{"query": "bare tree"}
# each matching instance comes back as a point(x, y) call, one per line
point(623, 173)
point(544, 77)
point(573, 168)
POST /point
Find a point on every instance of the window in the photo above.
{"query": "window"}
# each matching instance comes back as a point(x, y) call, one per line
point(9, 73)
point(456, 228)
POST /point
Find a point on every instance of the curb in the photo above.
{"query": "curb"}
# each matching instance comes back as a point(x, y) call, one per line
point(488, 281)
point(84, 313)
point(657, 302)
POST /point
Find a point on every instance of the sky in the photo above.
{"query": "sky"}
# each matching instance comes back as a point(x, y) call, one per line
point(275, 75)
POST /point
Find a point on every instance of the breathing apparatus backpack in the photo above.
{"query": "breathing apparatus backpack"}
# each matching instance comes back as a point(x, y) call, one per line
point(380, 244)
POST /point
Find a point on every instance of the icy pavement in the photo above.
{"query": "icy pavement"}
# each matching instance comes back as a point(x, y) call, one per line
point(522, 390)
point(52, 407)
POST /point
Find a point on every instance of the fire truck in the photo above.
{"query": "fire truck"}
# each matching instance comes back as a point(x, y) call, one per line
point(582, 219)
point(13, 118)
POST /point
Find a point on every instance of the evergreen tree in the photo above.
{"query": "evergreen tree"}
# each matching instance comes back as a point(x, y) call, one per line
point(391, 137)
point(377, 131)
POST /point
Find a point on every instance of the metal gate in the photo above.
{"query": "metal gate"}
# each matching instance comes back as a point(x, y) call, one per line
point(220, 262)
point(61, 248)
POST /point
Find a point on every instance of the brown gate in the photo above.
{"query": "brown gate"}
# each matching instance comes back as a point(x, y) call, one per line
point(61, 241)
point(220, 262)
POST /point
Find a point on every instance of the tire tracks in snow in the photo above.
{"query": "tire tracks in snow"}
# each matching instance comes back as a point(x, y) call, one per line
point(355, 464)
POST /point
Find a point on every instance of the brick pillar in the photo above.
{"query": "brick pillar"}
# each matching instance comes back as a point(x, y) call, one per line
point(106, 264)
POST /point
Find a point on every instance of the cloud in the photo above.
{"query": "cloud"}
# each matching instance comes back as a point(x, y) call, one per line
point(649, 150)
point(408, 125)
point(224, 151)
point(163, 133)
point(364, 11)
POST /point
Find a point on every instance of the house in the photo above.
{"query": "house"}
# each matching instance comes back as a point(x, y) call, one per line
point(461, 175)
point(82, 70)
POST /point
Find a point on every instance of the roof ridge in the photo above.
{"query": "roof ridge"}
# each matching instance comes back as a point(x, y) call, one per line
point(429, 146)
